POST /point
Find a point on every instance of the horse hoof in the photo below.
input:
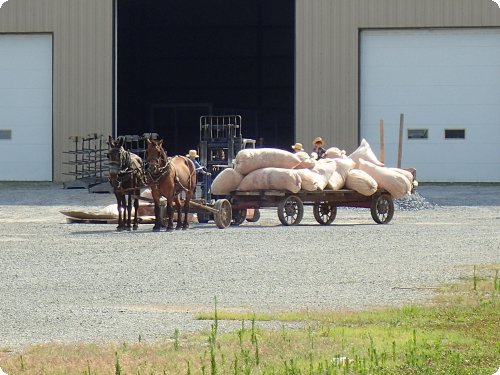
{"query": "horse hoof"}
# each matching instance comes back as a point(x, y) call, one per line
point(184, 228)
point(119, 229)
point(178, 227)
point(170, 229)
point(156, 229)
point(135, 227)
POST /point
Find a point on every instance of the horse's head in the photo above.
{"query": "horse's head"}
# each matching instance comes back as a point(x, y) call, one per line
point(117, 156)
point(156, 157)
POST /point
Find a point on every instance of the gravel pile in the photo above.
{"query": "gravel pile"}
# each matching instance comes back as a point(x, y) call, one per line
point(86, 282)
point(414, 202)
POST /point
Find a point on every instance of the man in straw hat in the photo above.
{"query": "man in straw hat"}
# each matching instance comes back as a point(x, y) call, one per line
point(300, 152)
point(318, 151)
point(192, 155)
point(297, 147)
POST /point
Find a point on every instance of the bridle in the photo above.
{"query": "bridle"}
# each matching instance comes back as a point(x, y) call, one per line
point(120, 170)
point(122, 165)
point(157, 167)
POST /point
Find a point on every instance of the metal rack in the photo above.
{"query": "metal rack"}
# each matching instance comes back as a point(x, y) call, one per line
point(88, 161)
point(220, 141)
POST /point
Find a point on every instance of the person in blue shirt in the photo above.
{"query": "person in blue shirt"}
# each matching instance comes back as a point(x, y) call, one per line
point(202, 174)
point(192, 155)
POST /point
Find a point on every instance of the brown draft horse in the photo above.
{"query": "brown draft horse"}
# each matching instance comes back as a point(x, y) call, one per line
point(168, 177)
point(126, 175)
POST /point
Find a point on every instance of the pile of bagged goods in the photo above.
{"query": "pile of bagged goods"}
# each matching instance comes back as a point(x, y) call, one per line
point(270, 168)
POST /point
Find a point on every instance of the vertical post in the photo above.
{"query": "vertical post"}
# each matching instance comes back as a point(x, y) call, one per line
point(382, 145)
point(400, 145)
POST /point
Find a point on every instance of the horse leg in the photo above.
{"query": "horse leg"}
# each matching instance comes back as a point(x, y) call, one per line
point(158, 218)
point(186, 211)
point(127, 217)
point(136, 209)
point(179, 214)
point(170, 213)
point(119, 205)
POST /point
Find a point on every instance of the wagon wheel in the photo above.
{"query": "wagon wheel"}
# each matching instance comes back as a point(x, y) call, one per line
point(223, 215)
point(324, 212)
point(291, 210)
point(239, 216)
point(255, 217)
point(382, 208)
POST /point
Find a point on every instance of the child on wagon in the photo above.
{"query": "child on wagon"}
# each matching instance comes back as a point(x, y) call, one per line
point(318, 151)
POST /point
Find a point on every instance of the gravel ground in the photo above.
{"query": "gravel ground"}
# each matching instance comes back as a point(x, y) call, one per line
point(62, 282)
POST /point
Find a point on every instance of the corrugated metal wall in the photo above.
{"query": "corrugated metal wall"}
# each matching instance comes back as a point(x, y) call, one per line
point(327, 34)
point(82, 64)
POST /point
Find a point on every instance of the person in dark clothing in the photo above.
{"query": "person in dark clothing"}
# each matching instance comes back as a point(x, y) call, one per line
point(318, 151)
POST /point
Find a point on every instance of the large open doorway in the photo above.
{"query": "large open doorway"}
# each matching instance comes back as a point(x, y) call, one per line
point(178, 60)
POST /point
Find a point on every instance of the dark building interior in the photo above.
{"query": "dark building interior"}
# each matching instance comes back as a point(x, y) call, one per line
point(179, 60)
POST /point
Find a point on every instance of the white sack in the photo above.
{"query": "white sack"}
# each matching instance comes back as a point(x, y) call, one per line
point(251, 159)
point(111, 210)
point(311, 181)
point(146, 193)
point(339, 176)
point(306, 162)
point(226, 181)
point(324, 168)
point(364, 151)
point(407, 174)
point(334, 152)
point(271, 178)
point(394, 182)
point(361, 182)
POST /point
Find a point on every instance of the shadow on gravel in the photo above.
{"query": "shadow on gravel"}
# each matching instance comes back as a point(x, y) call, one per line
point(99, 232)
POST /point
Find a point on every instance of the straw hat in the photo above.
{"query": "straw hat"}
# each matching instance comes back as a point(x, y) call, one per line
point(298, 147)
point(318, 139)
point(192, 154)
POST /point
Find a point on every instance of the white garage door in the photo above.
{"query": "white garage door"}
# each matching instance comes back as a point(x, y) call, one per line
point(446, 82)
point(26, 107)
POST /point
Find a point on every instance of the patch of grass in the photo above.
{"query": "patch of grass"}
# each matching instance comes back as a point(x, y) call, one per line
point(455, 334)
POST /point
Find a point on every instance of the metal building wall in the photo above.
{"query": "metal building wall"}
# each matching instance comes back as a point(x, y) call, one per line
point(82, 64)
point(327, 50)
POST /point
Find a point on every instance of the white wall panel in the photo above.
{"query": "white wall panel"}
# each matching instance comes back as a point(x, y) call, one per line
point(82, 32)
point(26, 107)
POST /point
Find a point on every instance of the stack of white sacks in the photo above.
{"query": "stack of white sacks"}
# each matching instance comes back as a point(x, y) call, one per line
point(270, 168)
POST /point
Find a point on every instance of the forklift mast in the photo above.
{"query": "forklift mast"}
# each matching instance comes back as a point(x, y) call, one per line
point(220, 140)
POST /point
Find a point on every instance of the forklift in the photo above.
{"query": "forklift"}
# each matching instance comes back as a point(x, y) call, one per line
point(220, 140)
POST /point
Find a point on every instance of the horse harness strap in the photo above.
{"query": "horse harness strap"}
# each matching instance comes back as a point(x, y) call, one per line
point(125, 173)
point(164, 171)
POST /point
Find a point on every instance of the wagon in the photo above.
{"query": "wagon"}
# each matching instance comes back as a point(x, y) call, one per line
point(290, 206)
